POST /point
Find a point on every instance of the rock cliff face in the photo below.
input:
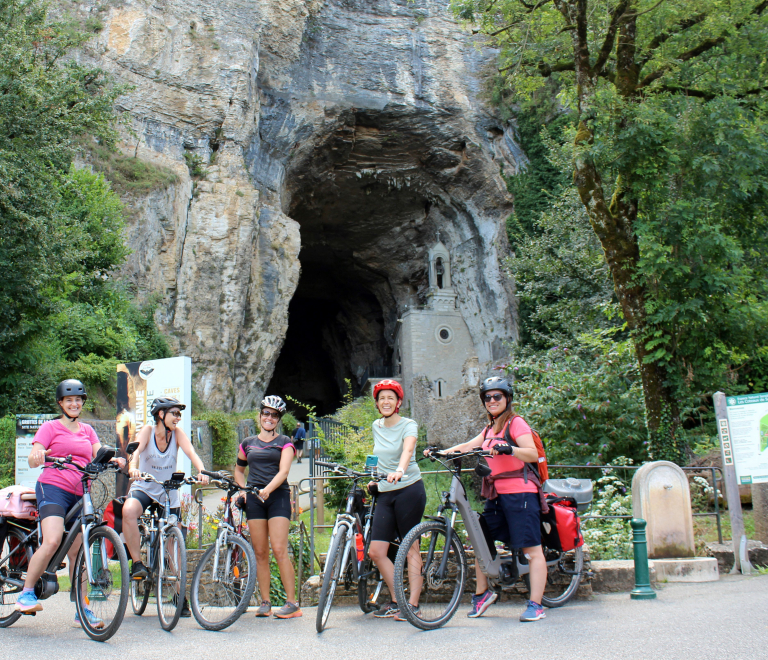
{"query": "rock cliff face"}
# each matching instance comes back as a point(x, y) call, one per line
point(334, 140)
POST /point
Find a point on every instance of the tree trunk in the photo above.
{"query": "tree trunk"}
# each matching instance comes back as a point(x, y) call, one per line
point(614, 225)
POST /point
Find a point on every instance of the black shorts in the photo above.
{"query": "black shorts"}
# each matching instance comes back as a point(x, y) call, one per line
point(277, 505)
point(398, 512)
point(299, 444)
point(55, 501)
point(146, 500)
point(514, 519)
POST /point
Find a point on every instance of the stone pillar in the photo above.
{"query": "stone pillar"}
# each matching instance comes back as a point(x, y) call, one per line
point(760, 510)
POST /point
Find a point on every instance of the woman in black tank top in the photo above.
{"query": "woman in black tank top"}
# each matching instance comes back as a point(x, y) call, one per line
point(268, 457)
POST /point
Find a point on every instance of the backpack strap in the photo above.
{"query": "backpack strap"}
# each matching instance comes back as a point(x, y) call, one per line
point(533, 467)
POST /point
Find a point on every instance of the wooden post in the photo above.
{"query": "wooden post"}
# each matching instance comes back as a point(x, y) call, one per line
point(738, 537)
point(320, 501)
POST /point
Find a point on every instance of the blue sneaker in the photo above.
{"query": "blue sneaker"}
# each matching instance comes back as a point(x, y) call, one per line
point(481, 602)
point(533, 612)
point(27, 603)
point(93, 620)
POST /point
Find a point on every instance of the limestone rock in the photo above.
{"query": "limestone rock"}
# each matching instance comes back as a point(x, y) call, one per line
point(336, 138)
point(723, 552)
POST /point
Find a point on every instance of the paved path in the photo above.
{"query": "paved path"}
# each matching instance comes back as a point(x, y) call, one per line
point(726, 619)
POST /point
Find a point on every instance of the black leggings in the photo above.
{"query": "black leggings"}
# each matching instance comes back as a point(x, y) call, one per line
point(398, 512)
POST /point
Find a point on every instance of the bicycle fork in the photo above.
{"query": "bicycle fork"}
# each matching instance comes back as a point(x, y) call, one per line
point(221, 538)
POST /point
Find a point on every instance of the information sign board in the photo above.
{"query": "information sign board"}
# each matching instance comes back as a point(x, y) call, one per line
point(746, 446)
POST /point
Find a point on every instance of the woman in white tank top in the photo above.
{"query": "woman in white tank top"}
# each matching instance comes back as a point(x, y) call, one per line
point(157, 454)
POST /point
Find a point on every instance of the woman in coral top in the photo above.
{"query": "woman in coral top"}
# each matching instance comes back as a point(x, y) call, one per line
point(512, 510)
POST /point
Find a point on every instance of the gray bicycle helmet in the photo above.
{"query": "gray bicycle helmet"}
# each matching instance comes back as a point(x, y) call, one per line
point(274, 402)
point(496, 383)
point(70, 387)
point(164, 403)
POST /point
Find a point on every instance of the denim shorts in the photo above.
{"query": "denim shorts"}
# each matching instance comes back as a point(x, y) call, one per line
point(55, 501)
point(514, 519)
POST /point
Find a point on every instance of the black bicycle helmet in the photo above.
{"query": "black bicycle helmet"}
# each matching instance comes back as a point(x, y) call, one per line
point(496, 383)
point(164, 403)
point(70, 387)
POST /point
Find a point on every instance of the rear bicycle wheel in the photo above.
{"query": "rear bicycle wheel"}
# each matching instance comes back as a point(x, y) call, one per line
point(15, 569)
point(140, 589)
point(101, 601)
point(218, 597)
point(439, 590)
point(171, 586)
point(331, 574)
point(563, 577)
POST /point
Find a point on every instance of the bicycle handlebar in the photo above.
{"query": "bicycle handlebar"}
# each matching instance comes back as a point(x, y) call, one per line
point(348, 472)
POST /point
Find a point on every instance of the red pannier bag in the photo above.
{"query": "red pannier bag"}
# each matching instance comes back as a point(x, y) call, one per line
point(561, 526)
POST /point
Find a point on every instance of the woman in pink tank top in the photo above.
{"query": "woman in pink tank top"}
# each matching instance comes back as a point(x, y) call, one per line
point(512, 510)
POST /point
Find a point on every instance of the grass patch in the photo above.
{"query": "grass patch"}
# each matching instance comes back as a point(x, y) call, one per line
point(126, 173)
point(705, 529)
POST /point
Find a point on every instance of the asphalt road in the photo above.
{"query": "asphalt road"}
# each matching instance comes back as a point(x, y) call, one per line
point(723, 620)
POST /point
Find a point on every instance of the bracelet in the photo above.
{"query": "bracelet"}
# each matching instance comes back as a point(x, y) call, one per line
point(400, 470)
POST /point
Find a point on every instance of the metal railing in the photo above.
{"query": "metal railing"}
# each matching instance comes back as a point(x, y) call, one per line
point(711, 469)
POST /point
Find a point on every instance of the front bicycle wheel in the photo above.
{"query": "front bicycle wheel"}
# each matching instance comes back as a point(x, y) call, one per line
point(437, 571)
point(171, 586)
point(331, 574)
point(14, 569)
point(223, 583)
point(564, 572)
point(101, 599)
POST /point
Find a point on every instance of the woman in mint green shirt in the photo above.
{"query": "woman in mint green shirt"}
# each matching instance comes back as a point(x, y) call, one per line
point(402, 498)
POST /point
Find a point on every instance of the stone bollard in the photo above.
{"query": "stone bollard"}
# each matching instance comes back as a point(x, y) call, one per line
point(642, 590)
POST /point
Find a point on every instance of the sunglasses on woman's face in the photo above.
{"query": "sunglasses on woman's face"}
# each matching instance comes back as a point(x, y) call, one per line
point(493, 397)
point(269, 413)
point(175, 413)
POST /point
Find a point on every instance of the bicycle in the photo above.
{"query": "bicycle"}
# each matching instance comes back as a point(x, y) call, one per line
point(347, 530)
point(100, 577)
point(444, 569)
point(162, 544)
point(225, 577)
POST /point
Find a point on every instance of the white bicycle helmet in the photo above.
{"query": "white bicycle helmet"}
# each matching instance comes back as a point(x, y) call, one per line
point(274, 402)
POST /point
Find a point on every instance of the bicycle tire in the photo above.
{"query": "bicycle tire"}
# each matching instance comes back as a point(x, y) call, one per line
point(100, 595)
point(171, 585)
point(141, 589)
point(562, 584)
point(15, 567)
point(331, 574)
point(233, 598)
point(434, 610)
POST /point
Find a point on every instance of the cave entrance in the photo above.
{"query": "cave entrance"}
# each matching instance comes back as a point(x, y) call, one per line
point(364, 224)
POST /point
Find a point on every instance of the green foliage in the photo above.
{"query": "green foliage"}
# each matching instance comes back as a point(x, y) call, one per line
point(563, 283)
point(128, 174)
point(7, 450)
point(62, 228)
point(610, 538)
point(668, 154)
point(585, 400)
point(195, 165)
point(289, 423)
point(224, 440)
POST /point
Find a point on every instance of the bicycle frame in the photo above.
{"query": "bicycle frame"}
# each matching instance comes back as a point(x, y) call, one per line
point(456, 501)
point(88, 521)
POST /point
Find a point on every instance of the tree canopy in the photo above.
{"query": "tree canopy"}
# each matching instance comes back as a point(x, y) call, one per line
point(668, 153)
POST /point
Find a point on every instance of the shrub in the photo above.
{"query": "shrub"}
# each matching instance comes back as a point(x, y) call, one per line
point(224, 437)
point(610, 538)
point(7, 450)
point(127, 173)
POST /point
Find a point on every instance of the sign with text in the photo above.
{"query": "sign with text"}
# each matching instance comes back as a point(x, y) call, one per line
point(746, 435)
point(138, 384)
point(26, 427)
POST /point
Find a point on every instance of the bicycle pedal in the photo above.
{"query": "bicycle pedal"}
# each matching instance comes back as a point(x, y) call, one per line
point(62, 566)
point(29, 613)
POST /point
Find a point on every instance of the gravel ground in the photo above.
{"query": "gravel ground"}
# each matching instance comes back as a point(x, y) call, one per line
point(725, 619)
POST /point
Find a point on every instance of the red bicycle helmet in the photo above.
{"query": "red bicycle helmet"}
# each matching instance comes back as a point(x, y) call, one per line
point(389, 384)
